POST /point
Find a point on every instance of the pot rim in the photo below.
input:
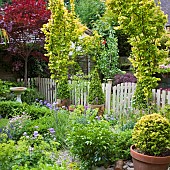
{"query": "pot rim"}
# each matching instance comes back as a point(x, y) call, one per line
point(147, 158)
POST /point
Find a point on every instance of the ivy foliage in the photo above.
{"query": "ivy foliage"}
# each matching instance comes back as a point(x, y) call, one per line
point(107, 58)
point(143, 22)
point(64, 38)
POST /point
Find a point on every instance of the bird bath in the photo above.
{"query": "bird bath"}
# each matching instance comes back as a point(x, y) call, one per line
point(18, 91)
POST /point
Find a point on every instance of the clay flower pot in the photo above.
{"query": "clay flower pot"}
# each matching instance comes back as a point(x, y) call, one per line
point(100, 107)
point(145, 162)
point(71, 108)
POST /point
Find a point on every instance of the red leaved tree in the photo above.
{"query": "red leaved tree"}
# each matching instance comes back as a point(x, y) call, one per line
point(23, 20)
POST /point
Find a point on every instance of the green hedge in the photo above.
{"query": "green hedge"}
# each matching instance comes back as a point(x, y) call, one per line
point(12, 108)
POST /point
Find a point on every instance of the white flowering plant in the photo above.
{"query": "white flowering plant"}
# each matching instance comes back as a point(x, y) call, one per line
point(14, 128)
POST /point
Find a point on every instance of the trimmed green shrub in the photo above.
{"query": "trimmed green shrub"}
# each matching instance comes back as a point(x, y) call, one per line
point(151, 134)
point(63, 90)
point(96, 95)
point(36, 112)
point(12, 108)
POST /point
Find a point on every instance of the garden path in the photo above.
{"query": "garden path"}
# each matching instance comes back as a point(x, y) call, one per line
point(65, 156)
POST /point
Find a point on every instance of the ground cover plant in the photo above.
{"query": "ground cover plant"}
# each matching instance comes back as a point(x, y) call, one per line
point(29, 150)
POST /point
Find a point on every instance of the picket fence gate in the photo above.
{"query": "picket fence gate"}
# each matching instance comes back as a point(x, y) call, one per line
point(118, 99)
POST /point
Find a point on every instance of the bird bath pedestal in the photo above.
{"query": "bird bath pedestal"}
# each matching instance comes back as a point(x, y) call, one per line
point(18, 91)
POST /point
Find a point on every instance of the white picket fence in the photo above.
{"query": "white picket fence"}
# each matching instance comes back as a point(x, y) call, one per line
point(117, 98)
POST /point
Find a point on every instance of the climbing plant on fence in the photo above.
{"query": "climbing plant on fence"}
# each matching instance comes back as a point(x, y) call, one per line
point(143, 21)
point(107, 58)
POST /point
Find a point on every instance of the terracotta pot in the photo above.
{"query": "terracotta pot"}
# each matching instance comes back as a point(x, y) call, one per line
point(64, 102)
point(94, 106)
point(100, 107)
point(71, 109)
point(145, 162)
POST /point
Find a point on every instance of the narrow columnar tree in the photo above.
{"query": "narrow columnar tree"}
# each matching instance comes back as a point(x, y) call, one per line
point(143, 21)
point(64, 37)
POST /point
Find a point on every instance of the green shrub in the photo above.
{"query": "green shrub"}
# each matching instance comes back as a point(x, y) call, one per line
point(16, 126)
point(41, 125)
point(96, 95)
point(151, 134)
point(29, 151)
point(3, 122)
point(122, 143)
point(63, 90)
point(36, 111)
point(58, 120)
point(30, 96)
point(5, 93)
point(23, 124)
point(11, 108)
point(92, 143)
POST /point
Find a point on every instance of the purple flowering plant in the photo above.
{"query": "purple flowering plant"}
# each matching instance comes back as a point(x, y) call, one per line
point(15, 126)
point(47, 104)
point(50, 135)
point(122, 78)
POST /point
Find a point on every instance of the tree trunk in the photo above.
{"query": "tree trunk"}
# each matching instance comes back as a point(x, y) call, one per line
point(26, 72)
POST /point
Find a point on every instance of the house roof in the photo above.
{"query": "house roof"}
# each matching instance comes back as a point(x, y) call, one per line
point(165, 6)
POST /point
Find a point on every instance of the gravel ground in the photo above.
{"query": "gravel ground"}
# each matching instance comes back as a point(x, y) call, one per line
point(65, 156)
